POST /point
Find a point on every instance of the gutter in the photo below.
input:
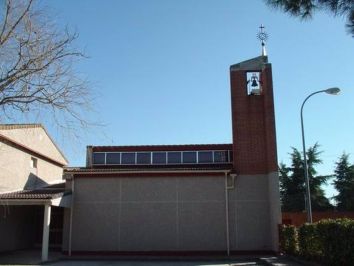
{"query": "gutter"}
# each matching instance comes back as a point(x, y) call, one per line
point(19, 202)
point(5, 202)
point(227, 188)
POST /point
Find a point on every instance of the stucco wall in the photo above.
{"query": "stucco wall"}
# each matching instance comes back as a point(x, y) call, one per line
point(171, 214)
point(16, 172)
point(35, 138)
point(275, 208)
point(254, 213)
point(146, 214)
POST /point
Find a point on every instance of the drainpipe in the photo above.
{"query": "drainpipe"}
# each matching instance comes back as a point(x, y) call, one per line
point(71, 214)
point(227, 188)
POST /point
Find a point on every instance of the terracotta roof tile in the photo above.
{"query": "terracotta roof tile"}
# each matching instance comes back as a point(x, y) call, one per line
point(17, 126)
point(51, 192)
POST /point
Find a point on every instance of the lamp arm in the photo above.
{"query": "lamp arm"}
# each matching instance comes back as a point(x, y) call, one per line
point(303, 103)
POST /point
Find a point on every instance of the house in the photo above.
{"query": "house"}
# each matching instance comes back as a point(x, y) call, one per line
point(184, 199)
point(29, 158)
point(31, 185)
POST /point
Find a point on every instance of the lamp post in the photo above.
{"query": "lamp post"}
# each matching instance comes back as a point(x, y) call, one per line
point(332, 91)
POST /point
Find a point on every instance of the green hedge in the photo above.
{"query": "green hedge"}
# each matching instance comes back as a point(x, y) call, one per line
point(310, 244)
point(289, 239)
point(328, 241)
point(337, 237)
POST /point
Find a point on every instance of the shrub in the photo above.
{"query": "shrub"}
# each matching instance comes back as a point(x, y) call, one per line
point(310, 245)
point(337, 237)
point(328, 241)
point(288, 239)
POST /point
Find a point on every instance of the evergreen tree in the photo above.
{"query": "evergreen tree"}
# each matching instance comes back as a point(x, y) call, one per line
point(344, 183)
point(305, 8)
point(292, 182)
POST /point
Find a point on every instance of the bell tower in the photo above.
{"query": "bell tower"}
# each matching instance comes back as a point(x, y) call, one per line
point(253, 121)
point(255, 163)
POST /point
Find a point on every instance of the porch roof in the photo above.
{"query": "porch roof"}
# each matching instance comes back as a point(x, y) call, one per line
point(56, 195)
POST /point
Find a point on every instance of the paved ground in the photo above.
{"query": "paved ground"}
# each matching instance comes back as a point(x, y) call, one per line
point(145, 263)
point(32, 257)
point(155, 263)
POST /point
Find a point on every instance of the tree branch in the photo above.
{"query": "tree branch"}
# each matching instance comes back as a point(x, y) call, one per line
point(20, 18)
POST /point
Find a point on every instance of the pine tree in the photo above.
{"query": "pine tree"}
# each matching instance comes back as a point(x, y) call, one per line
point(344, 183)
point(305, 9)
point(292, 182)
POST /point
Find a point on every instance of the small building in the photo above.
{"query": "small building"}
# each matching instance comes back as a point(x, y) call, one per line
point(31, 183)
point(184, 199)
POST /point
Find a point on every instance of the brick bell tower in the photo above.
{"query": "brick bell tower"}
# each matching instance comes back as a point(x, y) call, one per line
point(253, 120)
point(256, 193)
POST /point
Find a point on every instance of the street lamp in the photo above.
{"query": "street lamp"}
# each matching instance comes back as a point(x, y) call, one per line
point(332, 91)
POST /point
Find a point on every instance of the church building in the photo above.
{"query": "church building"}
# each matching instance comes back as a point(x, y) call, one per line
point(184, 199)
point(201, 199)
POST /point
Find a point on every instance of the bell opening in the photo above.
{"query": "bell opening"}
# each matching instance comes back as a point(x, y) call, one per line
point(253, 83)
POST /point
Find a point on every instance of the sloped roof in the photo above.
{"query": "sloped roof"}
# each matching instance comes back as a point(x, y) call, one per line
point(17, 126)
point(254, 64)
point(12, 127)
point(50, 192)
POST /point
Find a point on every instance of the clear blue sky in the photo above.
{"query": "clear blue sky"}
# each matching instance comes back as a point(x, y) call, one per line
point(160, 68)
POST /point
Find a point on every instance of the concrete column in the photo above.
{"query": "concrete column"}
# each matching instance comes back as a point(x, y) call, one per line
point(45, 240)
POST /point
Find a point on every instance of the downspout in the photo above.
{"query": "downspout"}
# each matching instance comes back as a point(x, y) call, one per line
point(227, 187)
point(71, 214)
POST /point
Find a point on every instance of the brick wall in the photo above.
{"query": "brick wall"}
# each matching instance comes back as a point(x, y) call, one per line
point(299, 218)
point(253, 122)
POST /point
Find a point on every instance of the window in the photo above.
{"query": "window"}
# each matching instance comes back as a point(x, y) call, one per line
point(189, 157)
point(205, 157)
point(221, 157)
point(128, 157)
point(174, 157)
point(113, 158)
point(33, 162)
point(159, 157)
point(99, 158)
point(143, 158)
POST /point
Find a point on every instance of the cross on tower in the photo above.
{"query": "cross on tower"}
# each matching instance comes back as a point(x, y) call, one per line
point(262, 27)
point(262, 36)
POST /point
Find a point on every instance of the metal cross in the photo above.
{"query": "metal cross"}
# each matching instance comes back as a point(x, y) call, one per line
point(261, 27)
point(262, 35)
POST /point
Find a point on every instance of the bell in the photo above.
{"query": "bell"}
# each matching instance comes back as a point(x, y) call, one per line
point(254, 82)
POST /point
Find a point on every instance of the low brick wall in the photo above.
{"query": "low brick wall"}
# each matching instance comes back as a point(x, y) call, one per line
point(299, 218)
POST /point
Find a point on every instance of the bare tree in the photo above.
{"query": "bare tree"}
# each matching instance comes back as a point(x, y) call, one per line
point(36, 67)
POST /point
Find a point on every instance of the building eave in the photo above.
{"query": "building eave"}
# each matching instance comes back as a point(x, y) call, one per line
point(70, 174)
point(22, 147)
point(27, 126)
